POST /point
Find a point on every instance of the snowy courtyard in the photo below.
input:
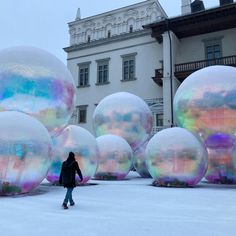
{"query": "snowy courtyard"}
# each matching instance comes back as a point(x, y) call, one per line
point(129, 207)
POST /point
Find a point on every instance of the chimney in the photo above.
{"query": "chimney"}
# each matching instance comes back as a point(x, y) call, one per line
point(78, 17)
point(197, 6)
point(186, 7)
point(224, 2)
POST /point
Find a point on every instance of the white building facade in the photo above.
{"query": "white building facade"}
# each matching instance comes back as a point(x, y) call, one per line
point(113, 52)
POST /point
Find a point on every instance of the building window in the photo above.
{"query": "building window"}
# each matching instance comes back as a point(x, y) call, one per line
point(83, 74)
point(128, 70)
point(103, 71)
point(159, 119)
point(109, 34)
point(82, 113)
point(213, 50)
point(131, 28)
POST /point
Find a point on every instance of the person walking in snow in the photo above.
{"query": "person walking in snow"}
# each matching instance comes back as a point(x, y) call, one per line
point(67, 178)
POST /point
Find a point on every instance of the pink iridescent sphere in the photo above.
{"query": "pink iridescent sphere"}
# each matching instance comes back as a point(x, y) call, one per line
point(125, 115)
point(175, 157)
point(116, 157)
point(84, 145)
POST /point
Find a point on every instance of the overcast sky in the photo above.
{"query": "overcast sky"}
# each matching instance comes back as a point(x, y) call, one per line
point(43, 23)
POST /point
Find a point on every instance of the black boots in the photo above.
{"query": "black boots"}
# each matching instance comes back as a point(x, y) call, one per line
point(64, 205)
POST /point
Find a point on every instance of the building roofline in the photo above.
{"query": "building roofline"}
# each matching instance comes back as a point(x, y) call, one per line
point(118, 10)
point(218, 18)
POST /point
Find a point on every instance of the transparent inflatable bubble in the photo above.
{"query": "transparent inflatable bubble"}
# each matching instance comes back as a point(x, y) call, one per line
point(125, 115)
point(25, 153)
point(37, 83)
point(220, 148)
point(175, 157)
point(116, 157)
point(80, 141)
point(140, 161)
point(205, 102)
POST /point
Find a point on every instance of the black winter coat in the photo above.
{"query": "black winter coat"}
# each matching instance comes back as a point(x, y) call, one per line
point(68, 172)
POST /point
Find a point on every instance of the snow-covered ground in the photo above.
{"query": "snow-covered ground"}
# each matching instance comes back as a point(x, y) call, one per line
point(120, 208)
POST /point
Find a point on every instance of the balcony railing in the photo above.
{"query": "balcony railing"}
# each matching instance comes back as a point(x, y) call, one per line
point(185, 69)
point(158, 77)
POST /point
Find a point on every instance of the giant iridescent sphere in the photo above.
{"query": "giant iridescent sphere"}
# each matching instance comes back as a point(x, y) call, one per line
point(37, 83)
point(125, 115)
point(25, 152)
point(116, 157)
point(205, 102)
point(84, 145)
point(175, 157)
point(140, 161)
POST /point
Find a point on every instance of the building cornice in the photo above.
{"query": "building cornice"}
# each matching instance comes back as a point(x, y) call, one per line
point(111, 50)
point(105, 41)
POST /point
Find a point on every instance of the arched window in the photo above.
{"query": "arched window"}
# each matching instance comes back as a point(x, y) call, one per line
point(131, 28)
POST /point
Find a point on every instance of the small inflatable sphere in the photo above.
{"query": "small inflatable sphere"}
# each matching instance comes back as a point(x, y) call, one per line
point(84, 145)
point(25, 153)
point(116, 158)
point(140, 161)
point(175, 157)
point(220, 148)
point(37, 83)
point(205, 102)
point(125, 115)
